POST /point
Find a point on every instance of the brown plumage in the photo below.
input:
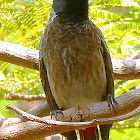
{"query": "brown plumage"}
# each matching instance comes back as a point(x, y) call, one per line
point(75, 64)
point(73, 56)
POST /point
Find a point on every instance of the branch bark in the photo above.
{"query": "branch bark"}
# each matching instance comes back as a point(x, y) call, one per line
point(11, 96)
point(126, 68)
point(19, 55)
point(94, 114)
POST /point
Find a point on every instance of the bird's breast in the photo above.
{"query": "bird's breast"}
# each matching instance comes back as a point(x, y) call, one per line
point(75, 66)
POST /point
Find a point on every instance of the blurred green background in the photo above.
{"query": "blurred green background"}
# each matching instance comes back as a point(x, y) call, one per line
point(23, 22)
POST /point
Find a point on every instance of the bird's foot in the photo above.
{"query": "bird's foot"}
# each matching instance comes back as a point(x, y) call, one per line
point(111, 100)
point(57, 114)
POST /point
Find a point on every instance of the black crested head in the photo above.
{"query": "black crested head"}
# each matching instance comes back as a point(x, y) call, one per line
point(75, 9)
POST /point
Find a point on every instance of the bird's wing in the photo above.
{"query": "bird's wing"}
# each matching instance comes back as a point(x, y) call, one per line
point(45, 83)
point(108, 68)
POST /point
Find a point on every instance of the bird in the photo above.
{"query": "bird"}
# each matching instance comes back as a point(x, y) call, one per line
point(75, 64)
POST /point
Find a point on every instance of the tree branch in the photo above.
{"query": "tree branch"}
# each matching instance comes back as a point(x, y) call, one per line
point(98, 113)
point(19, 55)
point(128, 67)
point(125, 68)
point(2, 119)
point(28, 98)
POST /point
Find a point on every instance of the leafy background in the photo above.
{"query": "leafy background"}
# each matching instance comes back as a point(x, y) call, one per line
point(23, 22)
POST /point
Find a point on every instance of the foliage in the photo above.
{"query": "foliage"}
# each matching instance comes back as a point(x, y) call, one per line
point(23, 22)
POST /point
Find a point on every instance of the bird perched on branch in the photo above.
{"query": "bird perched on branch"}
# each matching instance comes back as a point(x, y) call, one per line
point(75, 64)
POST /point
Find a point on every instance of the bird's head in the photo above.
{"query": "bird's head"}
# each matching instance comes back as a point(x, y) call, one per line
point(71, 8)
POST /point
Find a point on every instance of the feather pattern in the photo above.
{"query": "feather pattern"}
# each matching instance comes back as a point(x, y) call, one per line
point(72, 54)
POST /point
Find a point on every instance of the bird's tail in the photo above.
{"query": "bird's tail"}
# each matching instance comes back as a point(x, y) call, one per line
point(90, 133)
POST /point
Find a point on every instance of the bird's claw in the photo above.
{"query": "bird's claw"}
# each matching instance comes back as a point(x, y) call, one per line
point(111, 101)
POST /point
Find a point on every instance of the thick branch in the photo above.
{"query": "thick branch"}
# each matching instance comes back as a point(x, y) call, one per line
point(99, 113)
point(125, 68)
point(35, 130)
point(19, 55)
